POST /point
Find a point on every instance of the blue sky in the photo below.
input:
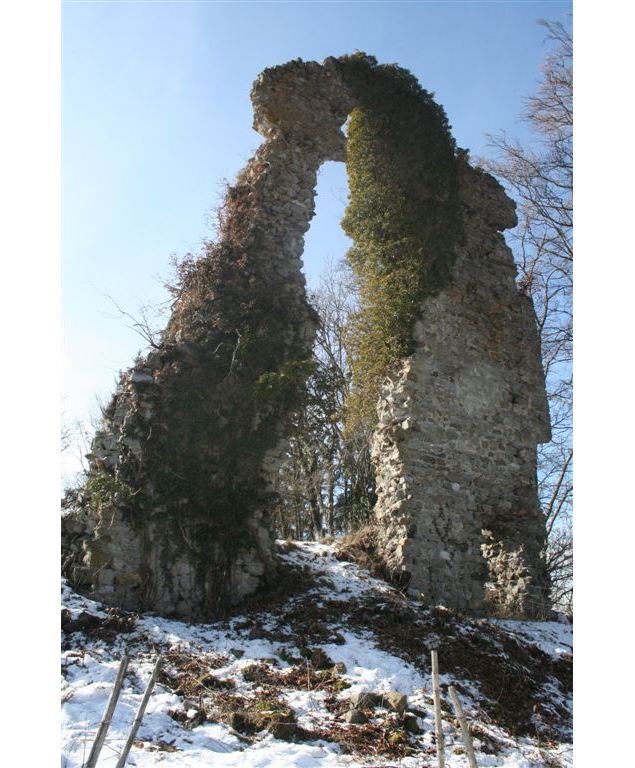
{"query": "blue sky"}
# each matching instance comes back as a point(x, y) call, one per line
point(156, 114)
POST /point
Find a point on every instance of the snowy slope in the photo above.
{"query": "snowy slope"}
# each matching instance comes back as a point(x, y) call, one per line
point(277, 662)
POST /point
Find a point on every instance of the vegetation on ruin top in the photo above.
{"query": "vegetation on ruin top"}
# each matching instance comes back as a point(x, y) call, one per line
point(403, 216)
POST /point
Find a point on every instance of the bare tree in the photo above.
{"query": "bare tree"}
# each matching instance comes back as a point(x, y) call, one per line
point(145, 323)
point(67, 433)
point(539, 175)
point(327, 481)
point(77, 439)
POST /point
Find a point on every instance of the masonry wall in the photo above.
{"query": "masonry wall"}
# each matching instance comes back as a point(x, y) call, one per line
point(455, 450)
point(174, 514)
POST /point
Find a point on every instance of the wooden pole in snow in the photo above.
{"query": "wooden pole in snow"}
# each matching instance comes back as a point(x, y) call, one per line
point(108, 712)
point(465, 731)
point(140, 712)
point(438, 723)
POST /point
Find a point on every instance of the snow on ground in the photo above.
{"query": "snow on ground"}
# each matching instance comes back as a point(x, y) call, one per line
point(173, 731)
point(552, 637)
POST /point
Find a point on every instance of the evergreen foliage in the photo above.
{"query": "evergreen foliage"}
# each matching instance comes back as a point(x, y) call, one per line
point(403, 216)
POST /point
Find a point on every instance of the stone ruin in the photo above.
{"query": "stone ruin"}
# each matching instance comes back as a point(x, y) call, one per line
point(173, 516)
point(455, 449)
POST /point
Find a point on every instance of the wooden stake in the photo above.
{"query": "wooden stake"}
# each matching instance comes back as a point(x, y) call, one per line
point(137, 721)
point(465, 731)
point(438, 723)
point(108, 712)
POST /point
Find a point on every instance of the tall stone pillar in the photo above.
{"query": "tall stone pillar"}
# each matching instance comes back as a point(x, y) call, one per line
point(455, 451)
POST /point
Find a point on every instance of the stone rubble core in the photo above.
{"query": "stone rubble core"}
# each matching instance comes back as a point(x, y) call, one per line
point(454, 451)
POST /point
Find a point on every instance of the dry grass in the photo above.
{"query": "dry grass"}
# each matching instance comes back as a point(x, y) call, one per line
point(360, 547)
point(190, 675)
point(386, 739)
point(302, 675)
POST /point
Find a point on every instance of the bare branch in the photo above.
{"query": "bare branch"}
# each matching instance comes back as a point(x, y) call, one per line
point(539, 175)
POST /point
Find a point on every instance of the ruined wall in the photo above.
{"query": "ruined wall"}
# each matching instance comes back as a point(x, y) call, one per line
point(174, 511)
point(455, 450)
point(174, 514)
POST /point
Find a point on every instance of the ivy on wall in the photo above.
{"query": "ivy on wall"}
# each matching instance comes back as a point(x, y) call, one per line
point(403, 216)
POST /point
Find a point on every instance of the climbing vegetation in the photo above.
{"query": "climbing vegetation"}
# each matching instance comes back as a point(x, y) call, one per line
point(105, 493)
point(403, 216)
